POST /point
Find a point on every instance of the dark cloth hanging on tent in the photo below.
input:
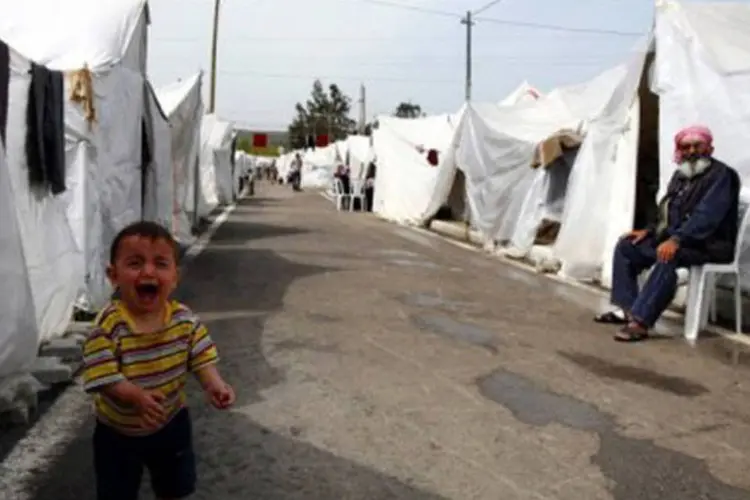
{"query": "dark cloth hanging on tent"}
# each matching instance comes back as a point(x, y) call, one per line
point(147, 158)
point(4, 81)
point(45, 129)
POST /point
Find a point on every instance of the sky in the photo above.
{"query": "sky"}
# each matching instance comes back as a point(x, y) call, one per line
point(271, 51)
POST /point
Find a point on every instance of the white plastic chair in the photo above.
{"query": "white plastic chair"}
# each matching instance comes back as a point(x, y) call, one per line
point(339, 194)
point(703, 280)
point(357, 193)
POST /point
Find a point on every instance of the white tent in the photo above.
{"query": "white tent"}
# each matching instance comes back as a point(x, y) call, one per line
point(18, 339)
point(497, 142)
point(358, 153)
point(51, 260)
point(523, 93)
point(216, 174)
point(699, 72)
point(318, 166)
point(158, 182)
point(66, 238)
point(183, 105)
point(407, 188)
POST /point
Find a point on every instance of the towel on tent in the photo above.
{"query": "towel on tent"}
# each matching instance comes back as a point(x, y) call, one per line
point(550, 149)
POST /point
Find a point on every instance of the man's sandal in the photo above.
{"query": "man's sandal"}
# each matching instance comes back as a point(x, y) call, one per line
point(611, 318)
point(631, 334)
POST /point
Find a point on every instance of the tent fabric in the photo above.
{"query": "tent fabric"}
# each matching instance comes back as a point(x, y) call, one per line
point(216, 175)
point(18, 336)
point(507, 198)
point(72, 34)
point(408, 189)
point(318, 166)
point(523, 93)
point(42, 226)
point(158, 179)
point(702, 73)
point(360, 152)
point(103, 159)
point(183, 105)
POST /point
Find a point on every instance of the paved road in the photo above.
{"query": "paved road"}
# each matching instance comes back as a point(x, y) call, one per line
point(375, 362)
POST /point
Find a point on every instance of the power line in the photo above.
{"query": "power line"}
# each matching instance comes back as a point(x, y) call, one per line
point(365, 78)
point(485, 7)
point(294, 39)
point(520, 24)
point(555, 27)
point(415, 8)
point(333, 77)
point(445, 59)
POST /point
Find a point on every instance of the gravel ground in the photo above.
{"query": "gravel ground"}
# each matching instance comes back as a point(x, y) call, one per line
point(375, 362)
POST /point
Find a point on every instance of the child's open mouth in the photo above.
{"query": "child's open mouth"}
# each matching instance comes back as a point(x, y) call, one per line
point(147, 292)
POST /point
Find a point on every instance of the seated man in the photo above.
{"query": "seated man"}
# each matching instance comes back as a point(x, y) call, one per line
point(342, 174)
point(698, 223)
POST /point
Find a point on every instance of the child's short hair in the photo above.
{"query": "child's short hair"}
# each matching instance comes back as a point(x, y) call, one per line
point(145, 229)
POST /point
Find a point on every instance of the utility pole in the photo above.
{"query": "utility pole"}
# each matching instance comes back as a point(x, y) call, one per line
point(468, 21)
point(362, 109)
point(214, 55)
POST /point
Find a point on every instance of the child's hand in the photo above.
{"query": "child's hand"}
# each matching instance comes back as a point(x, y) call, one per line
point(149, 404)
point(221, 395)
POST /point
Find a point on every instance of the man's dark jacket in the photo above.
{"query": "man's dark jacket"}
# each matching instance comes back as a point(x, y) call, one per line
point(704, 211)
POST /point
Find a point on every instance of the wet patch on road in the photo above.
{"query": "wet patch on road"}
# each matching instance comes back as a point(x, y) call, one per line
point(637, 468)
point(633, 374)
point(456, 330)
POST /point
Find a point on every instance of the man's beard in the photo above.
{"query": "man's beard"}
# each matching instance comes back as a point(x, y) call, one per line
point(694, 166)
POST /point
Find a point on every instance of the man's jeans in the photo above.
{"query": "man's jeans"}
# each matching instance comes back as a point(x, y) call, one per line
point(630, 260)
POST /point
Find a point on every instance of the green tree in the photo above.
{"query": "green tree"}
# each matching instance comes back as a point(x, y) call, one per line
point(326, 111)
point(408, 110)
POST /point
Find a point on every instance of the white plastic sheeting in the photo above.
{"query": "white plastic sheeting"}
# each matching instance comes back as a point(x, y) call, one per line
point(360, 153)
point(508, 198)
point(183, 105)
point(701, 73)
point(216, 176)
point(18, 320)
point(75, 33)
point(244, 163)
point(318, 166)
point(523, 93)
point(52, 260)
point(66, 238)
point(283, 165)
point(158, 182)
point(408, 189)
point(703, 76)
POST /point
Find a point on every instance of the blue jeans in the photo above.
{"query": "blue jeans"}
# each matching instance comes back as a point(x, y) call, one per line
point(630, 260)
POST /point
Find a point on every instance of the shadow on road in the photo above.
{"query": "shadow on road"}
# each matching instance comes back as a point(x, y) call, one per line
point(233, 230)
point(239, 459)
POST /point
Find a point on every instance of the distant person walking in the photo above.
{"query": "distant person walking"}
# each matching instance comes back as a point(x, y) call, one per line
point(295, 175)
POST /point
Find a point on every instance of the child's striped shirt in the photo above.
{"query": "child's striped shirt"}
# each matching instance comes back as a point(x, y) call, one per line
point(156, 361)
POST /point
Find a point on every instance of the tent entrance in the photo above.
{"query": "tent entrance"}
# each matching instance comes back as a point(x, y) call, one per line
point(455, 207)
point(647, 167)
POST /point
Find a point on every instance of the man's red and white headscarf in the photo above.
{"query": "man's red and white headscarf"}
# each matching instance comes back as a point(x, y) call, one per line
point(693, 134)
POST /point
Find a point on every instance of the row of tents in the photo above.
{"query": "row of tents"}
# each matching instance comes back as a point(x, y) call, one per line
point(560, 176)
point(89, 146)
